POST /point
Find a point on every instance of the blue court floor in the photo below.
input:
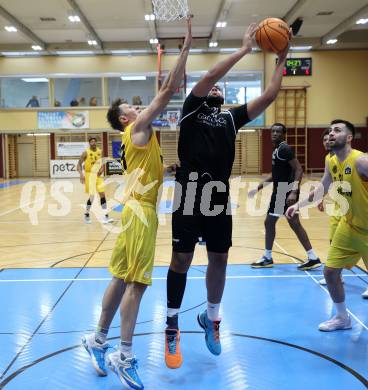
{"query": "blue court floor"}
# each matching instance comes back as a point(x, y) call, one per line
point(269, 332)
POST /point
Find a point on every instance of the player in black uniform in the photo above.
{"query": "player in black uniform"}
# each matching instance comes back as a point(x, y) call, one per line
point(286, 178)
point(206, 152)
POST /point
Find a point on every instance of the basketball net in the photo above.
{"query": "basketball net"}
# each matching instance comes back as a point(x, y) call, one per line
point(169, 10)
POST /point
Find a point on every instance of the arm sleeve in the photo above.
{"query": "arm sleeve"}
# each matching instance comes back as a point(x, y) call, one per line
point(240, 116)
point(286, 153)
point(191, 104)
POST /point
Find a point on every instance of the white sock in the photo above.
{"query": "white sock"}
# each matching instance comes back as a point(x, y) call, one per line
point(172, 312)
point(126, 349)
point(341, 309)
point(311, 255)
point(100, 337)
point(268, 254)
point(213, 310)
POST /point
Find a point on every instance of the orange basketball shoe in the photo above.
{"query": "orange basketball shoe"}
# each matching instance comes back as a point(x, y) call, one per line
point(173, 356)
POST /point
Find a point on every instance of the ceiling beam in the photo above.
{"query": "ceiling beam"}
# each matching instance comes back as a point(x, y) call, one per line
point(345, 25)
point(221, 16)
point(22, 28)
point(87, 24)
point(295, 11)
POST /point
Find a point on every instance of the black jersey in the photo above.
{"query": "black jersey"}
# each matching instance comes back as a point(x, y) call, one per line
point(281, 169)
point(207, 139)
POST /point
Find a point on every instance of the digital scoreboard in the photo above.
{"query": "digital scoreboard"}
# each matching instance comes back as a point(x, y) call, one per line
point(298, 67)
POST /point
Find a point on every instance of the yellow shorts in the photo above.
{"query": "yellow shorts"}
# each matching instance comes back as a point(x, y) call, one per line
point(333, 222)
point(93, 183)
point(134, 252)
point(349, 244)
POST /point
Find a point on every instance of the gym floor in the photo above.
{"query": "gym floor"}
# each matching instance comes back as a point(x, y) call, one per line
point(53, 275)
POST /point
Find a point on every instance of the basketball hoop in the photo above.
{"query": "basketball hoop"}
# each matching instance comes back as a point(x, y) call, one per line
point(169, 10)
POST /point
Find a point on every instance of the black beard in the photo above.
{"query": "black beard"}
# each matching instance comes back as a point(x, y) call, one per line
point(215, 101)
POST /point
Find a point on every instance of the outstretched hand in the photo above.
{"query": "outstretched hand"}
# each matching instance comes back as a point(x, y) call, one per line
point(283, 54)
point(249, 37)
point(188, 36)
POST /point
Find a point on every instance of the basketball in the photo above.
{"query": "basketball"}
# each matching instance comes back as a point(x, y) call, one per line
point(272, 35)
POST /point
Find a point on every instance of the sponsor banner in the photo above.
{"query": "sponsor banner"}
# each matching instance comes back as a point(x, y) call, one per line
point(113, 168)
point(63, 120)
point(71, 149)
point(63, 168)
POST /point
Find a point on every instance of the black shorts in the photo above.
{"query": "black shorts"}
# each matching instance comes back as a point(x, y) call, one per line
point(216, 231)
point(278, 207)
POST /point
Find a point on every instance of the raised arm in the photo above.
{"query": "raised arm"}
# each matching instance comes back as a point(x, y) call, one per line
point(259, 104)
point(203, 87)
point(142, 130)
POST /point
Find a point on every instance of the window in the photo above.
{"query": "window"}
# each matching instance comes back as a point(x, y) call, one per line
point(78, 92)
point(17, 93)
point(142, 89)
point(237, 87)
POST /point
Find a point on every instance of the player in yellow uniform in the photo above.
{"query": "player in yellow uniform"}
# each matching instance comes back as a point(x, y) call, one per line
point(132, 259)
point(335, 218)
point(91, 158)
point(348, 170)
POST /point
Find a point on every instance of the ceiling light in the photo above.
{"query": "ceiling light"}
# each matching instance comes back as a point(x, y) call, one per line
point(300, 48)
point(153, 41)
point(92, 42)
point(149, 17)
point(129, 52)
point(10, 29)
point(37, 134)
point(221, 24)
point(74, 52)
point(213, 44)
point(36, 47)
point(74, 18)
point(331, 41)
point(247, 130)
point(35, 80)
point(19, 53)
point(133, 78)
point(360, 21)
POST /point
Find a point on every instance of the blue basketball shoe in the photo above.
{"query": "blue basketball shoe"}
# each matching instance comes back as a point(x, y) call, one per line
point(97, 352)
point(212, 330)
point(125, 369)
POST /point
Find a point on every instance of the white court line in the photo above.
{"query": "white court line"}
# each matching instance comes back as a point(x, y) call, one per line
point(164, 278)
point(18, 208)
point(323, 288)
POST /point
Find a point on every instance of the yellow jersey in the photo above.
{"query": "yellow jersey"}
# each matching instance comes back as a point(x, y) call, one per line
point(92, 158)
point(143, 168)
point(357, 197)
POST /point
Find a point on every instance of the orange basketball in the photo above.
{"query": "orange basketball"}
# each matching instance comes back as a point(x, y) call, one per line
point(272, 35)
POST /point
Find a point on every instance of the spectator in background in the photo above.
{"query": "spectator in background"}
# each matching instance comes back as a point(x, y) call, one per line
point(33, 102)
point(93, 101)
point(137, 101)
point(74, 103)
point(82, 101)
point(57, 103)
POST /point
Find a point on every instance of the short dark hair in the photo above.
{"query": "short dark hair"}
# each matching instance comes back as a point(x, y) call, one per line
point(348, 124)
point(113, 114)
point(91, 138)
point(326, 131)
point(278, 124)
